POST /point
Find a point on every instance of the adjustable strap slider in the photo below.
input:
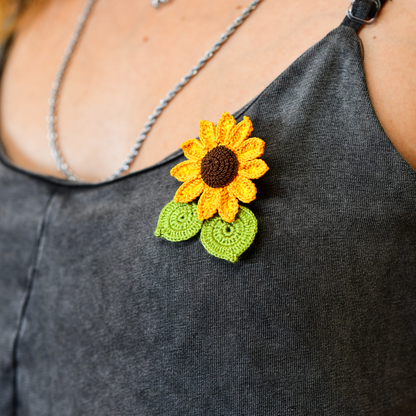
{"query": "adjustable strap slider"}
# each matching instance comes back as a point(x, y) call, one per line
point(358, 19)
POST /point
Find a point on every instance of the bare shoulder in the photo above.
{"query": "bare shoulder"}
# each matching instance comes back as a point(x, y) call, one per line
point(390, 65)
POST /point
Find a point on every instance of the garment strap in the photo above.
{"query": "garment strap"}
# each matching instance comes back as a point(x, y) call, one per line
point(361, 10)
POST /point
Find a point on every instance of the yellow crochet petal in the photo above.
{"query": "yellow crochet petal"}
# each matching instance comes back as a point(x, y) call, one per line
point(224, 126)
point(208, 203)
point(186, 171)
point(250, 149)
point(240, 133)
point(228, 208)
point(253, 169)
point(243, 189)
point(189, 190)
point(193, 149)
point(207, 134)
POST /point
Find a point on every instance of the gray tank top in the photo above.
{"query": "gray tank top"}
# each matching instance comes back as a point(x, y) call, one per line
point(317, 317)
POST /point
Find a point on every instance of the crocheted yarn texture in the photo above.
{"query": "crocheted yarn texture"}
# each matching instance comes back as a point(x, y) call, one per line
point(219, 170)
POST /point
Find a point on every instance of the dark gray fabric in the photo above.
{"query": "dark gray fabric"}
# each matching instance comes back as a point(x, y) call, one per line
point(318, 317)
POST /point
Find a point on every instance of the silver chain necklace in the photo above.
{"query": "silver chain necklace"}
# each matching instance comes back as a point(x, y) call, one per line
point(56, 85)
point(157, 3)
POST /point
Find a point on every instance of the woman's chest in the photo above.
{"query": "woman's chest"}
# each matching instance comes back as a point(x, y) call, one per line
point(115, 78)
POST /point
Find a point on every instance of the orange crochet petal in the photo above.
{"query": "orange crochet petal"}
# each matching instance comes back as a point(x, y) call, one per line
point(207, 134)
point(253, 169)
point(228, 208)
point(193, 149)
point(224, 126)
point(190, 190)
point(186, 171)
point(250, 149)
point(208, 203)
point(240, 133)
point(243, 189)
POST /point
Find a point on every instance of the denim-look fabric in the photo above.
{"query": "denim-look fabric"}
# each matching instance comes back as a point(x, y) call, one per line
point(99, 317)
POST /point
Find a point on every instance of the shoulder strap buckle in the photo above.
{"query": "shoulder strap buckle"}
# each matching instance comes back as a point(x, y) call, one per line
point(357, 19)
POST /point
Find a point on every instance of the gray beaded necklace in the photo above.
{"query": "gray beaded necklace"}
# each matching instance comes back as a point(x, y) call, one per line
point(52, 134)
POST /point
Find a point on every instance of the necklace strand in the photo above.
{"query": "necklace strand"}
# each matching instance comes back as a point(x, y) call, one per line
point(52, 119)
point(157, 3)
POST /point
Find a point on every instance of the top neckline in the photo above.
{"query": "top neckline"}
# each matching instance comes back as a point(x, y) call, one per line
point(342, 29)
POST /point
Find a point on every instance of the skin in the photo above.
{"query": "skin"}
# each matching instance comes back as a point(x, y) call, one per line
point(131, 55)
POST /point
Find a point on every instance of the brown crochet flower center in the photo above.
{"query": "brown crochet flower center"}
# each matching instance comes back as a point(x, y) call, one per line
point(219, 167)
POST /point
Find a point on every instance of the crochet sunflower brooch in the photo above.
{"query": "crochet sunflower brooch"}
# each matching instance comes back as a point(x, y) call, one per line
point(219, 170)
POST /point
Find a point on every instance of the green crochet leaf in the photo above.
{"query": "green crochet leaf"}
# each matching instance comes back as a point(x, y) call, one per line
point(178, 222)
point(228, 240)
